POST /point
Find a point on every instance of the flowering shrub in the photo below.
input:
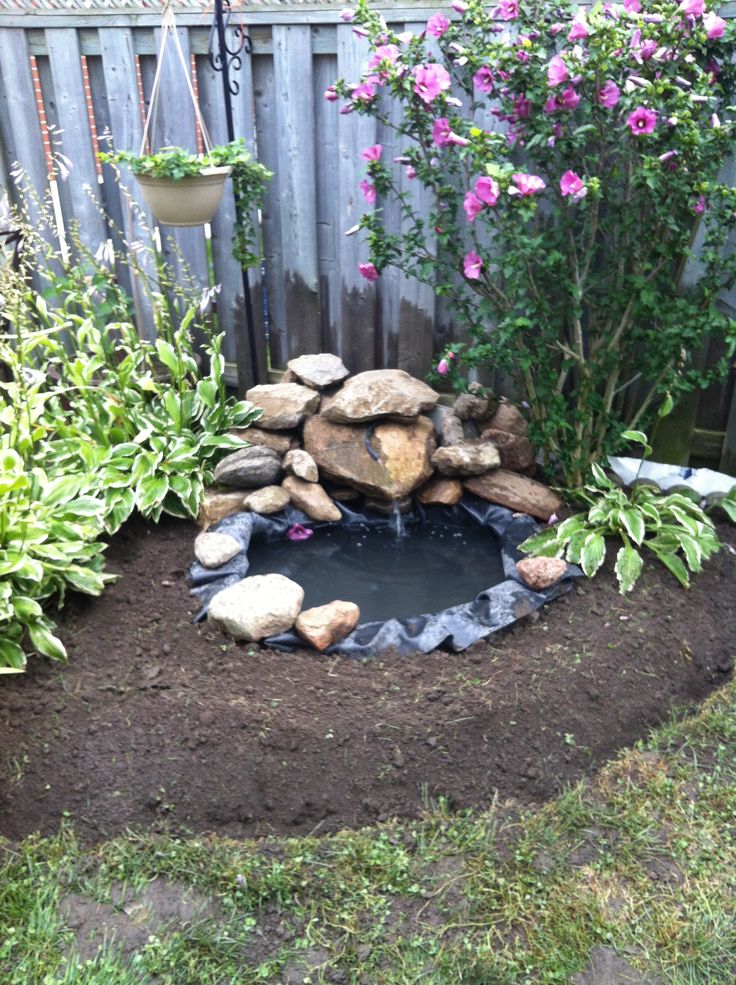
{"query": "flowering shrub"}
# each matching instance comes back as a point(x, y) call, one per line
point(572, 158)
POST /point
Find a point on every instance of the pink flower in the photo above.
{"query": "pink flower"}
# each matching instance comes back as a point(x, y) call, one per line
point(384, 53)
point(641, 121)
point(567, 99)
point(508, 10)
point(632, 6)
point(372, 153)
point(522, 56)
point(364, 92)
point(693, 8)
point(443, 367)
point(487, 190)
point(557, 72)
point(579, 29)
point(526, 184)
point(555, 28)
point(472, 266)
point(437, 25)
point(331, 94)
point(368, 271)
point(442, 134)
point(609, 94)
point(430, 80)
point(472, 205)
point(347, 15)
point(459, 6)
point(369, 191)
point(483, 79)
point(410, 172)
point(298, 532)
point(522, 108)
point(714, 25)
point(572, 184)
point(699, 205)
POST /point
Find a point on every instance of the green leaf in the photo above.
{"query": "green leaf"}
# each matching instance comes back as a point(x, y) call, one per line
point(12, 657)
point(628, 568)
point(691, 550)
point(207, 392)
point(633, 524)
point(123, 506)
point(674, 564)
point(45, 642)
point(667, 404)
point(600, 477)
point(85, 580)
point(542, 543)
point(593, 553)
point(26, 608)
point(150, 493)
point(168, 356)
point(639, 438)
point(63, 489)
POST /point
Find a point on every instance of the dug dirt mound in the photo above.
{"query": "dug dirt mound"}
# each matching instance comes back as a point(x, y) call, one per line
point(158, 722)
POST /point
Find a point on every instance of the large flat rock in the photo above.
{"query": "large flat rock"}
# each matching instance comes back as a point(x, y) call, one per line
point(387, 460)
point(284, 405)
point(322, 369)
point(380, 394)
point(515, 492)
point(249, 468)
point(256, 607)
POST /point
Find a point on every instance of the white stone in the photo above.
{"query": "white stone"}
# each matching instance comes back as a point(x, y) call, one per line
point(301, 464)
point(257, 607)
point(213, 550)
point(270, 499)
point(320, 370)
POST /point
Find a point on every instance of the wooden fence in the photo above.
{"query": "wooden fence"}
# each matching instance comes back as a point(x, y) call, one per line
point(316, 299)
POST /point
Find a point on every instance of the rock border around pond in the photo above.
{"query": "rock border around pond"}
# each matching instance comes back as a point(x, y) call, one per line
point(457, 627)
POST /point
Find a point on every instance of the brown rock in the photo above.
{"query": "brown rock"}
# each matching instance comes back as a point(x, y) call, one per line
point(301, 464)
point(516, 451)
point(249, 468)
point(516, 492)
point(541, 572)
point(327, 624)
point(288, 376)
point(380, 394)
point(466, 459)
point(441, 492)
point(453, 431)
point(319, 371)
point(343, 494)
point(389, 506)
point(284, 405)
point(508, 418)
point(213, 550)
point(216, 505)
point(387, 461)
point(470, 407)
point(311, 498)
point(270, 499)
point(280, 442)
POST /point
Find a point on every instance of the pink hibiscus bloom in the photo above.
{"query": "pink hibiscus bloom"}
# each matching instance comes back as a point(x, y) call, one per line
point(369, 191)
point(297, 532)
point(526, 184)
point(642, 121)
point(699, 205)
point(632, 6)
point(443, 134)
point(714, 25)
point(437, 25)
point(508, 10)
point(430, 80)
point(579, 29)
point(557, 72)
point(364, 92)
point(472, 205)
point(443, 367)
point(483, 79)
point(487, 190)
point(572, 184)
point(472, 266)
point(693, 8)
point(384, 53)
point(609, 94)
point(368, 271)
point(372, 153)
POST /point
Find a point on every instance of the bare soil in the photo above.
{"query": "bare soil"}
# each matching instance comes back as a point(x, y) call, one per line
point(161, 723)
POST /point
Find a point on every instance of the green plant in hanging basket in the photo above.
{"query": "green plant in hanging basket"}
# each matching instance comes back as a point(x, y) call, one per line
point(171, 171)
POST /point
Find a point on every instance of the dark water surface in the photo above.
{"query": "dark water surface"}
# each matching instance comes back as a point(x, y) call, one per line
point(429, 568)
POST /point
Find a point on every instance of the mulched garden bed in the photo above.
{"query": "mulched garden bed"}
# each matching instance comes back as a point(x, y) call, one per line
point(158, 722)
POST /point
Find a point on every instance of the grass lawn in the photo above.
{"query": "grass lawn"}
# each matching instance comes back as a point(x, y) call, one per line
point(640, 861)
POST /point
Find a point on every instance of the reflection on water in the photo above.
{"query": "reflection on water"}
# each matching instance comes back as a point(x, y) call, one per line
point(426, 569)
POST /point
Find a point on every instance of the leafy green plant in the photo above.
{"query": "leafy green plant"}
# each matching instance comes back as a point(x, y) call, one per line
point(728, 504)
point(670, 526)
point(249, 182)
point(563, 238)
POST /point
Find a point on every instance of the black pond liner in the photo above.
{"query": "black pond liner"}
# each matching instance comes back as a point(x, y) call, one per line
point(456, 627)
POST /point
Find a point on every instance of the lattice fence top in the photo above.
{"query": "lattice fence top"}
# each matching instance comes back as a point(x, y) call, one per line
point(148, 6)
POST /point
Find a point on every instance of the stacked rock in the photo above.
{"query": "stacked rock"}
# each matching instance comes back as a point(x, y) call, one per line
point(325, 437)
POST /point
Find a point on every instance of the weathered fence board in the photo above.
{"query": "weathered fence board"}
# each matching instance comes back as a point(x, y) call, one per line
point(329, 232)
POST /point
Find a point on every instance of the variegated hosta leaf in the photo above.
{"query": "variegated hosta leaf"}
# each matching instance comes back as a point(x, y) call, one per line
point(593, 553)
point(628, 568)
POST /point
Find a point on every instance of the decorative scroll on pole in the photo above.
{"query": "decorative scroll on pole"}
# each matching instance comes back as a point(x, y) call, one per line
point(226, 59)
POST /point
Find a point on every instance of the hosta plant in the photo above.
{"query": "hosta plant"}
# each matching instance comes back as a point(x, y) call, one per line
point(668, 526)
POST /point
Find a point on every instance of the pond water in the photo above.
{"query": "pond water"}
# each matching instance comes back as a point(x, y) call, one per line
point(389, 573)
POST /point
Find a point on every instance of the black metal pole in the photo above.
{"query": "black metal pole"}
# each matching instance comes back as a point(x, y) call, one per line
point(221, 61)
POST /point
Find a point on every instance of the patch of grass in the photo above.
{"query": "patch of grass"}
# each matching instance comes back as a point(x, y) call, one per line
point(642, 860)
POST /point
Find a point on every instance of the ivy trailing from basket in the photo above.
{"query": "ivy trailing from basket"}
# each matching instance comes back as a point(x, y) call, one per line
point(249, 183)
point(670, 526)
